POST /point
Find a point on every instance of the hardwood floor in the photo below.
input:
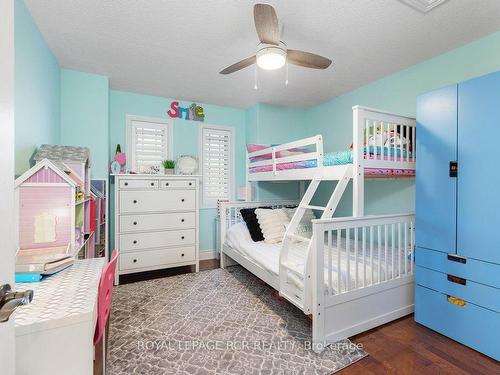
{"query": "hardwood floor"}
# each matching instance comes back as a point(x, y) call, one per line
point(400, 347)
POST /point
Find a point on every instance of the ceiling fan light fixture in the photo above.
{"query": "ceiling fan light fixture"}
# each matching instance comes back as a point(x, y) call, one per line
point(271, 57)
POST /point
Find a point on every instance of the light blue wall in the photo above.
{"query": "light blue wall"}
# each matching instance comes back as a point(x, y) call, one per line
point(84, 116)
point(397, 93)
point(268, 124)
point(185, 139)
point(37, 89)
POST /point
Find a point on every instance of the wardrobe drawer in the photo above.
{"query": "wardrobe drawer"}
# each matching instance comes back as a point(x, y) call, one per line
point(479, 294)
point(178, 184)
point(157, 258)
point(174, 220)
point(157, 201)
point(138, 241)
point(471, 325)
point(138, 184)
point(467, 268)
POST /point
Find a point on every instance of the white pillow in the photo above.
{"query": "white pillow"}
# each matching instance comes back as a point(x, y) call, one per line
point(273, 223)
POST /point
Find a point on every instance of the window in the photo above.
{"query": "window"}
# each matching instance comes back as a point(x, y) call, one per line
point(217, 155)
point(149, 142)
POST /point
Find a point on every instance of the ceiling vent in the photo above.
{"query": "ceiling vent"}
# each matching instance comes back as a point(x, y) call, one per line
point(423, 5)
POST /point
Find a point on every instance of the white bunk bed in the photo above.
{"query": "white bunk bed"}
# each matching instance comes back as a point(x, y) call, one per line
point(354, 273)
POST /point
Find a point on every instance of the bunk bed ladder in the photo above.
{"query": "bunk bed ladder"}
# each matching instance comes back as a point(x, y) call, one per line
point(301, 297)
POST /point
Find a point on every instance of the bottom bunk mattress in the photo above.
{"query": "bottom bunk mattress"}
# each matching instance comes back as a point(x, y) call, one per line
point(362, 269)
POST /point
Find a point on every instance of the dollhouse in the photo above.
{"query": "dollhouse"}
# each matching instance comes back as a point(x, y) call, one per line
point(57, 208)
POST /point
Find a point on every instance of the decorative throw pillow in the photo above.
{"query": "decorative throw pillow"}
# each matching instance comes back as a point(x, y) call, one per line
point(248, 215)
point(273, 224)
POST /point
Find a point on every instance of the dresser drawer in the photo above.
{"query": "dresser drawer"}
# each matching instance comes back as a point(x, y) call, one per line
point(157, 201)
point(470, 269)
point(138, 184)
point(177, 184)
point(138, 241)
point(479, 294)
point(156, 258)
point(471, 325)
point(174, 220)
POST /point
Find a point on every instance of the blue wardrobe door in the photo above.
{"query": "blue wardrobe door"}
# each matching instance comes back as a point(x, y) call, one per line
point(435, 189)
point(478, 223)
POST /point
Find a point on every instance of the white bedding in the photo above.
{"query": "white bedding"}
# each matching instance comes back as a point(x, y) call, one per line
point(267, 256)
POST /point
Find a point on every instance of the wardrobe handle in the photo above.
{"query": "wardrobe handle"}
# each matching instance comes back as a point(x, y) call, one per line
point(152, 184)
point(457, 280)
point(182, 254)
point(135, 200)
point(135, 241)
point(135, 260)
point(182, 237)
point(166, 184)
point(182, 220)
point(135, 222)
point(126, 184)
point(182, 200)
point(190, 184)
point(453, 168)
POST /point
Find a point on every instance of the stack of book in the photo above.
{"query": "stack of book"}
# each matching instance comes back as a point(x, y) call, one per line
point(32, 265)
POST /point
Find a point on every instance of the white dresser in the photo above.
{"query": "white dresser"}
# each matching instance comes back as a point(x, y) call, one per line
point(156, 222)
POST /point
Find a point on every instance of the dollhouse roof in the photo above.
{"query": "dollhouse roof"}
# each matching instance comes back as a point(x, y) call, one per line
point(44, 163)
point(61, 153)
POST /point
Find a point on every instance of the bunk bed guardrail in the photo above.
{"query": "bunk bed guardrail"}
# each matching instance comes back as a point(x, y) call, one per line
point(367, 280)
point(380, 140)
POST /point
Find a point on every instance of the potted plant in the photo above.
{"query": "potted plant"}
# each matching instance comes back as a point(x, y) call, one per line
point(169, 166)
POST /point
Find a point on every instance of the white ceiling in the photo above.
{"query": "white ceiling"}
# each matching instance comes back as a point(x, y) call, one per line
point(176, 48)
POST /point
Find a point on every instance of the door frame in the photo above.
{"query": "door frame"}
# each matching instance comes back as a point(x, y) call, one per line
point(7, 170)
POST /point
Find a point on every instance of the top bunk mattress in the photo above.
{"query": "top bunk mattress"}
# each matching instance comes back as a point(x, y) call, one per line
point(335, 158)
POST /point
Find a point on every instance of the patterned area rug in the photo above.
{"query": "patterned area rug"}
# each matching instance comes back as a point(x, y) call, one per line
point(214, 322)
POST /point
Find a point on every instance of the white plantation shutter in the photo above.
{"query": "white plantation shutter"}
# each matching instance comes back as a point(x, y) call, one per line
point(148, 145)
point(217, 164)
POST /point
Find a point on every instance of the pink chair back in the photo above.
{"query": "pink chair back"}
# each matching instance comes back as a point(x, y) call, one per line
point(105, 293)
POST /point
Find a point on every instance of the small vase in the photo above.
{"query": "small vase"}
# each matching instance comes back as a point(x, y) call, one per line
point(169, 171)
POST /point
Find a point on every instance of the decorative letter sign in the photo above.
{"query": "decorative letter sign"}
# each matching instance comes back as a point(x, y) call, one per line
point(194, 112)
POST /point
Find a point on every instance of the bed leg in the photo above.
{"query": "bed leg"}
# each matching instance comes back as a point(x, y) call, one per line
point(222, 260)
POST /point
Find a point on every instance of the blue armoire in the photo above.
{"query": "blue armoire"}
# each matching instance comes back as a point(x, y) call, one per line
point(458, 213)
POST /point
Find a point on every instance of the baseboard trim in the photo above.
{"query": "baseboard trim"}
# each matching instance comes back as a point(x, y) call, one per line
point(208, 254)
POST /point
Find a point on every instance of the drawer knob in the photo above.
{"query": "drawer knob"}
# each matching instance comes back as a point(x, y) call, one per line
point(182, 200)
point(135, 241)
point(135, 222)
point(182, 237)
point(182, 254)
point(135, 200)
point(126, 183)
point(182, 220)
point(152, 184)
point(166, 183)
point(190, 184)
point(135, 260)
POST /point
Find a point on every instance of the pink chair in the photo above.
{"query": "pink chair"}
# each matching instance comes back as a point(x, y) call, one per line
point(105, 294)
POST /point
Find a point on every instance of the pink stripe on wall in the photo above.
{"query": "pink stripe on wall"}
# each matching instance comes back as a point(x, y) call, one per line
point(34, 200)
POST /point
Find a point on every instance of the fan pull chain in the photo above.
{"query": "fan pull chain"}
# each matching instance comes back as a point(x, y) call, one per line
point(255, 78)
point(286, 79)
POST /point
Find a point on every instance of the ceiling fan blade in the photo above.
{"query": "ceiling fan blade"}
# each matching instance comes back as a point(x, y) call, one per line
point(266, 24)
point(307, 59)
point(239, 65)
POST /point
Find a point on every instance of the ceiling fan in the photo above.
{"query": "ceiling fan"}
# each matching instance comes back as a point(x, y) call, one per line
point(272, 53)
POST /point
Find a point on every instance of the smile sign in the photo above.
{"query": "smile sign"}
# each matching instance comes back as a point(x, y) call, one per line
point(194, 112)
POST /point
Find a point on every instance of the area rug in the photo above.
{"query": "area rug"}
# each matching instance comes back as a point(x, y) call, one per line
point(214, 322)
